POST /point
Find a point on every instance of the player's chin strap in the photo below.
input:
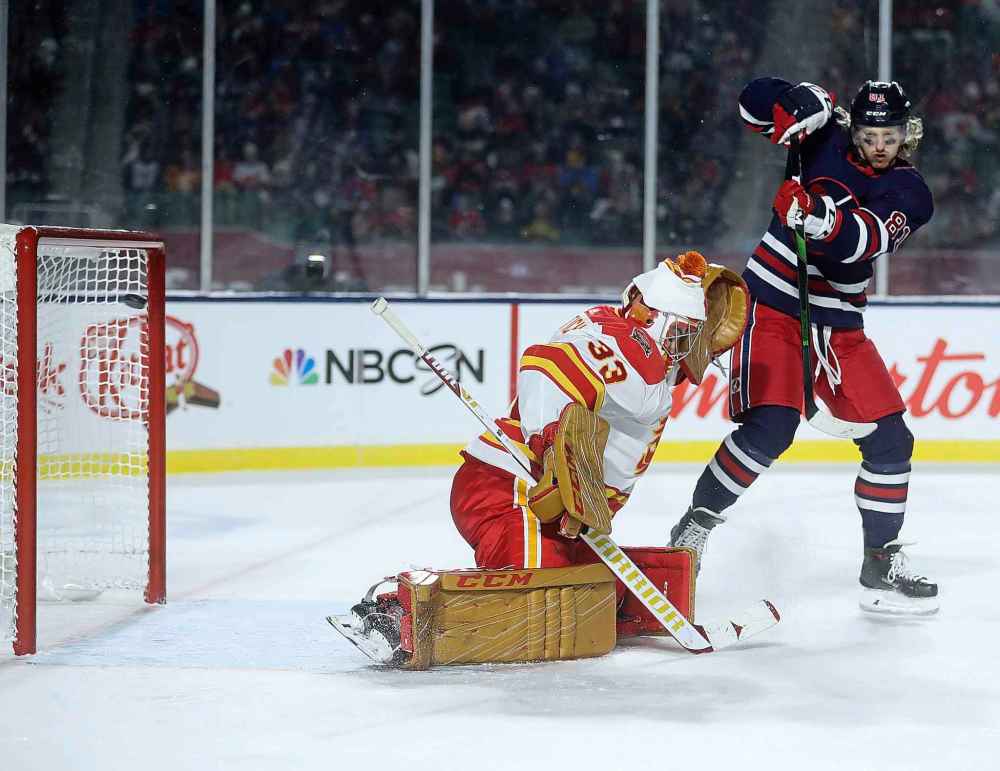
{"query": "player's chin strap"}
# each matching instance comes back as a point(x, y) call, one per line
point(826, 357)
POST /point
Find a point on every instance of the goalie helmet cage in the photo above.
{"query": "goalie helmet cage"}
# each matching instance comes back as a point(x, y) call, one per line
point(82, 411)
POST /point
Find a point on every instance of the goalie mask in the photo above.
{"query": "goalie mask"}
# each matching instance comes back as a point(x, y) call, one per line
point(670, 303)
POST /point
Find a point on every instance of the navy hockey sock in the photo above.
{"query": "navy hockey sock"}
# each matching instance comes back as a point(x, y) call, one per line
point(744, 455)
point(728, 475)
point(881, 488)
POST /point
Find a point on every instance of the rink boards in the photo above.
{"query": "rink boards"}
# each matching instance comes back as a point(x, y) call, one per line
point(257, 383)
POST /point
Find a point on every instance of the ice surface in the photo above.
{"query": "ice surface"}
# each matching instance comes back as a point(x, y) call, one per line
point(240, 670)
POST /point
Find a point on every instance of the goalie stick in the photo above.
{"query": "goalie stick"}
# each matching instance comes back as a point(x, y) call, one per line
point(696, 638)
point(817, 418)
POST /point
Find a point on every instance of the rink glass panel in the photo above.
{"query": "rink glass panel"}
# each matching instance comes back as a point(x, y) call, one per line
point(538, 135)
point(538, 147)
point(317, 121)
point(945, 54)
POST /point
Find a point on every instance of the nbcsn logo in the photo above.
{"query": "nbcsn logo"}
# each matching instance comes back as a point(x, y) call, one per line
point(295, 368)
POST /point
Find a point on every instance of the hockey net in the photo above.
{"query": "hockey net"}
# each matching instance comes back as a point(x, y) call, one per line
point(81, 409)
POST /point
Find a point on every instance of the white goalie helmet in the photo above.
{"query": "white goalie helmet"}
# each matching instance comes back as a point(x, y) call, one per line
point(670, 303)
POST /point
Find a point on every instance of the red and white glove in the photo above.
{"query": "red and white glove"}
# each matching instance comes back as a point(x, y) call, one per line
point(795, 206)
point(800, 111)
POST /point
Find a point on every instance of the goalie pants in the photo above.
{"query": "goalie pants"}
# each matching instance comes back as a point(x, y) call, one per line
point(765, 397)
point(489, 507)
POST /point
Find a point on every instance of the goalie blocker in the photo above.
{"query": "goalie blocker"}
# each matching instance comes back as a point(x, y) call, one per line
point(436, 618)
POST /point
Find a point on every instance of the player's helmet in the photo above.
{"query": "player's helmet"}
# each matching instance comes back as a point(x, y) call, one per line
point(671, 304)
point(880, 104)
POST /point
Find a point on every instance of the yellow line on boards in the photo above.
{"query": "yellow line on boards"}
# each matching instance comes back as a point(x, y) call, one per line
point(834, 451)
point(286, 458)
point(300, 458)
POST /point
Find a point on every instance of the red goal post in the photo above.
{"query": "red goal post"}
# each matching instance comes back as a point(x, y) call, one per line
point(82, 419)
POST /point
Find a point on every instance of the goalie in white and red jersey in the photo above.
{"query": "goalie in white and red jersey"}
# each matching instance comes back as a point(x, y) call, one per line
point(591, 406)
point(602, 386)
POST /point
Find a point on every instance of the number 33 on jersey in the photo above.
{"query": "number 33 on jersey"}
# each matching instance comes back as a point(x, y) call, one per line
point(610, 365)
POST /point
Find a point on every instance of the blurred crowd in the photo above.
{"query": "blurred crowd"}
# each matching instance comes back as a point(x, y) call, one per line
point(538, 114)
point(947, 57)
point(538, 117)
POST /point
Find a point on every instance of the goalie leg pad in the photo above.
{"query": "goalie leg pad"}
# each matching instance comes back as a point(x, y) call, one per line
point(493, 616)
point(672, 571)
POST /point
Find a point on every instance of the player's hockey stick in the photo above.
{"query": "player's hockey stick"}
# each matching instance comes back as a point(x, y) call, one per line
point(818, 419)
point(696, 638)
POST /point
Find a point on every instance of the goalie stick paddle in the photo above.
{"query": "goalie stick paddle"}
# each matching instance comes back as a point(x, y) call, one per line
point(692, 637)
point(817, 418)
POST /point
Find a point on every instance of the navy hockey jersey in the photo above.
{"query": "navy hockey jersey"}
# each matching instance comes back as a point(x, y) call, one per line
point(876, 212)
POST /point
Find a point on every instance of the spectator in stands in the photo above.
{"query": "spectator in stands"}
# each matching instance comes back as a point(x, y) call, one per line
point(541, 227)
point(251, 173)
point(503, 219)
point(466, 218)
point(183, 174)
point(142, 169)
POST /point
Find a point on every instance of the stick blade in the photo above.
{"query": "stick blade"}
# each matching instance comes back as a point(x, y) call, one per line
point(842, 429)
point(757, 618)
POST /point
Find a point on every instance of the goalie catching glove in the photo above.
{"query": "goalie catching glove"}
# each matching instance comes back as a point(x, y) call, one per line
point(696, 310)
point(728, 303)
point(572, 482)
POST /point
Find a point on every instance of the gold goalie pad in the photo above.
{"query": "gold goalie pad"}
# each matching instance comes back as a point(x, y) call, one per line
point(482, 616)
point(728, 303)
point(572, 480)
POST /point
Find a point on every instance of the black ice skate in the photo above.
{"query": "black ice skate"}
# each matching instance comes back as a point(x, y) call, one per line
point(373, 626)
point(693, 529)
point(890, 586)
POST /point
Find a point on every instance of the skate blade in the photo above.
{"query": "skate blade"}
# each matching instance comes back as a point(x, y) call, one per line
point(380, 654)
point(895, 604)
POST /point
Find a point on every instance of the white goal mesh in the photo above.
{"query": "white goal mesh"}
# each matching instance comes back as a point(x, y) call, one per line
point(92, 418)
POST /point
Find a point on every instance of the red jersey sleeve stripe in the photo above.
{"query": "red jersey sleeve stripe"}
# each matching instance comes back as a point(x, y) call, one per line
point(875, 244)
point(563, 365)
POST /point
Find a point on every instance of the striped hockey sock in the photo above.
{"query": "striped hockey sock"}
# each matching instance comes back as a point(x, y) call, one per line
point(731, 471)
point(880, 492)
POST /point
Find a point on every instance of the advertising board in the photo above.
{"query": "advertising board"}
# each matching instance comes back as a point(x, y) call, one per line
point(284, 384)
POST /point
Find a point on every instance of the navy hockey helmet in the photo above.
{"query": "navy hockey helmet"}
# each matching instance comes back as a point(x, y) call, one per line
point(880, 104)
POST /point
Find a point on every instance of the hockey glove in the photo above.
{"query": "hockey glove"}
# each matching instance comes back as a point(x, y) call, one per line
point(572, 483)
point(795, 206)
point(727, 301)
point(800, 111)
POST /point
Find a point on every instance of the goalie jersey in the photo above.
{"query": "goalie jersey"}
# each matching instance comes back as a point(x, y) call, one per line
point(613, 367)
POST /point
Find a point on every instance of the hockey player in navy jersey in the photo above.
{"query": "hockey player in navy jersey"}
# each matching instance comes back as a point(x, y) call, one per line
point(859, 198)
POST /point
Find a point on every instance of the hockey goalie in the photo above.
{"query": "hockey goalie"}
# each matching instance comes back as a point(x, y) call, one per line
point(591, 406)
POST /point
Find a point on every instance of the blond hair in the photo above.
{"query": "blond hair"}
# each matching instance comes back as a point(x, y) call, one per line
point(914, 131)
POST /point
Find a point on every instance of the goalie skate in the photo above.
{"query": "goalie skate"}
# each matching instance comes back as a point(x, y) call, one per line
point(377, 650)
point(372, 627)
